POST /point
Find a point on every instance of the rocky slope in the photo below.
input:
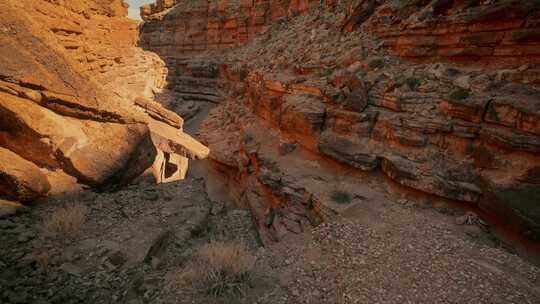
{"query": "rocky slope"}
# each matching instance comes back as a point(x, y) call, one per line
point(134, 242)
point(70, 73)
point(324, 118)
point(194, 26)
point(440, 97)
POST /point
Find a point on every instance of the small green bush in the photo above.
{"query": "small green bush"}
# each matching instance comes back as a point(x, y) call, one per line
point(341, 197)
point(459, 94)
point(376, 63)
point(413, 83)
point(248, 138)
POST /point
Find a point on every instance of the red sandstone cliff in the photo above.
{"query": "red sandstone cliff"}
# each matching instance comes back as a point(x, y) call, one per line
point(176, 27)
point(69, 74)
point(346, 87)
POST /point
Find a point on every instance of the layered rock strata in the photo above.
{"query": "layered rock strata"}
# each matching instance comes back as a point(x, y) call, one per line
point(175, 27)
point(308, 108)
point(503, 33)
point(69, 75)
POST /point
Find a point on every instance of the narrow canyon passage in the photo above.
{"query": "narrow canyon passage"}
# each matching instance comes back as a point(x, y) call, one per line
point(260, 151)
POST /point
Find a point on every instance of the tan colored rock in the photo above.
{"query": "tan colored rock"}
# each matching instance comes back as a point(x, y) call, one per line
point(169, 167)
point(171, 140)
point(158, 112)
point(20, 179)
point(67, 101)
point(8, 208)
point(94, 152)
point(62, 184)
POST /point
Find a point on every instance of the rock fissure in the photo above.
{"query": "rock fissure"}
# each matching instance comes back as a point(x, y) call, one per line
point(328, 127)
point(443, 110)
point(85, 132)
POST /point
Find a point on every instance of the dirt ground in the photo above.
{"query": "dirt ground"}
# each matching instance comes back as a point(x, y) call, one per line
point(383, 251)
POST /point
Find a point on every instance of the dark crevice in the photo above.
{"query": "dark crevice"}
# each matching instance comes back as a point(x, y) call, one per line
point(486, 109)
point(79, 111)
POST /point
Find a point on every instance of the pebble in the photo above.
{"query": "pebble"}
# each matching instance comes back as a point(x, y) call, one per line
point(117, 259)
point(18, 297)
point(71, 269)
point(25, 237)
point(7, 224)
point(155, 262)
point(463, 82)
point(523, 68)
point(151, 196)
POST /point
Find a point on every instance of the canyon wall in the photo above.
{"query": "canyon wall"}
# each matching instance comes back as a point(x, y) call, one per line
point(439, 97)
point(176, 27)
point(98, 38)
point(502, 33)
point(70, 76)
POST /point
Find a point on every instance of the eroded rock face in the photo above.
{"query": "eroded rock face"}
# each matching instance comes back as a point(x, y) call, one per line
point(174, 27)
point(503, 32)
point(89, 150)
point(21, 179)
point(70, 73)
point(311, 107)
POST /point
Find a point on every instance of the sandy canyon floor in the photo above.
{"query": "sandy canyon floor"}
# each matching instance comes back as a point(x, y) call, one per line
point(134, 243)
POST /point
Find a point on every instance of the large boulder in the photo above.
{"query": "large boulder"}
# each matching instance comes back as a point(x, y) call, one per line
point(8, 208)
point(94, 152)
point(20, 179)
point(66, 96)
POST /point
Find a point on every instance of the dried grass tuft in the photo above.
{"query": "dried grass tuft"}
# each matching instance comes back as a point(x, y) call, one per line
point(217, 268)
point(66, 221)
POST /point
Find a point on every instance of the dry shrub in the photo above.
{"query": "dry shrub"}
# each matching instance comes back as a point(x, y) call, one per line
point(42, 259)
point(218, 268)
point(341, 197)
point(65, 221)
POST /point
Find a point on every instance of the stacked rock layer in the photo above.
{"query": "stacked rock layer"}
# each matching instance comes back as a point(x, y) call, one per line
point(438, 96)
point(70, 72)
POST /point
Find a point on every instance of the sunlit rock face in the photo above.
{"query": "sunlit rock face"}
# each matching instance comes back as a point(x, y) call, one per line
point(174, 27)
point(70, 72)
point(440, 97)
point(503, 33)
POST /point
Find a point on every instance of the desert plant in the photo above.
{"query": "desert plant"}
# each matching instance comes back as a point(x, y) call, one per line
point(340, 294)
point(65, 221)
point(376, 63)
point(413, 83)
point(459, 94)
point(42, 259)
point(217, 269)
point(341, 197)
point(248, 138)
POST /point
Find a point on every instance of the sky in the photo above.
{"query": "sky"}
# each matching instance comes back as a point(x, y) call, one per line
point(134, 7)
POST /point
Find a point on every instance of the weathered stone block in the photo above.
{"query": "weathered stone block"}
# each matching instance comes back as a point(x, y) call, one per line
point(20, 179)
